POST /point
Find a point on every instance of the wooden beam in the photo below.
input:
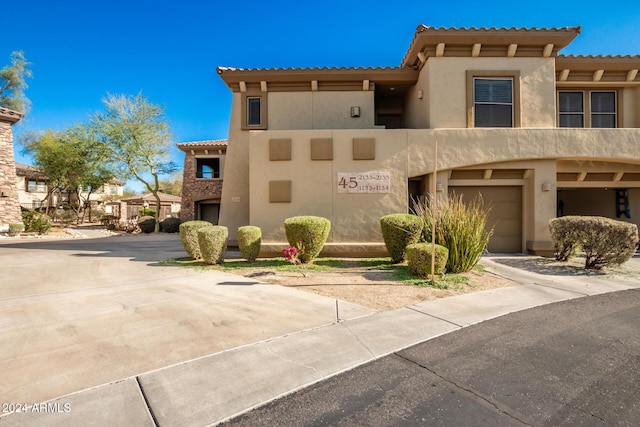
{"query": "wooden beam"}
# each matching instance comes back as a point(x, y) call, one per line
point(511, 50)
point(631, 75)
point(597, 75)
point(243, 87)
point(440, 49)
point(365, 85)
point(488, 173)
point(422, 57)
point(564, 75)
point(548, 50)
point(314, 85)
point(527, 174)
point(263, 86)
point(618, 176)
point(206, 152)
point(581, 176)
point(475, 50)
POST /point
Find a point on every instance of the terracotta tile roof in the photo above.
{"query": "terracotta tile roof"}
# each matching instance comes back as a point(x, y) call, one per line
point(422, 28)
point(29, 170)
point(148, 197)
point(211, 143)
point(222, 70)
point(630, 57)
point(11, 116)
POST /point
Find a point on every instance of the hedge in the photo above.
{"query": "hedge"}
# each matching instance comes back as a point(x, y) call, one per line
point(308, 232)
point(419, 258)
point(249, 241)
point(213, 243)
point(399, 231)
point(170, 225)
point(189, 237)
point(147, 224)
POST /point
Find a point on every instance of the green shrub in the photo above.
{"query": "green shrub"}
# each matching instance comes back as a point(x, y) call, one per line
point(36, 222)
point(564, 237)
point(399, 231)
point(147, 224)
point(606, 241)
point(189, 237)
point(249, 241)
point(15, 229)
point(147, 212)
point(170, 225)
point(419, 258)
point(67, 217)
point(109, 221)
point(460, 227)
point(213, 243)
point(309, 233)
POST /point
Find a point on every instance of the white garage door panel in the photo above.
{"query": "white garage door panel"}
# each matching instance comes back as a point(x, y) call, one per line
point(505, 215)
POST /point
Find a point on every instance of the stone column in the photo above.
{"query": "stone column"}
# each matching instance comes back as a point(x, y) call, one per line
point(9, 203)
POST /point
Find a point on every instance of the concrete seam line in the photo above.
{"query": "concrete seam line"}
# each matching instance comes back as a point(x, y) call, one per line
point(506, 411)
point(146, 402)
point(436, 317)
point(561, 289)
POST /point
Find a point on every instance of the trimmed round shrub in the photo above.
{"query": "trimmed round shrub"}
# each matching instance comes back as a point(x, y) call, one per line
point(147, 224)
point(419, 259)
point(213, 243)
point(564, 237)
point(309, 233)
point(249, 241)
point(147, 212)
point(189, 237)
point(170, 225)
point(399, 231)
point(606, 241)
point(15, 229)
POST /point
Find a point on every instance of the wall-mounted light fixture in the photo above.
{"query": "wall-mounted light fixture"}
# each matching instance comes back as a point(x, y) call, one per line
point(546, 186)
point(420, 94)
point(355, 111)
point(439, 187)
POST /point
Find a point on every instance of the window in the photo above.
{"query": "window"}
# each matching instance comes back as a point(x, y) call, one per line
point(493, 102)
point(254, 111)
point(208, 168)
point(493, 98)
point(603, 109)
point(34, 186)
point(571, 109)
point(578, 109)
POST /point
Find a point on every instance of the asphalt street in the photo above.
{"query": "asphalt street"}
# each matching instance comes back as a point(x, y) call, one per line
point(574, 363)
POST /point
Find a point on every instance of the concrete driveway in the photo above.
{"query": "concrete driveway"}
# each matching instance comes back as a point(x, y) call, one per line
point(77, 313)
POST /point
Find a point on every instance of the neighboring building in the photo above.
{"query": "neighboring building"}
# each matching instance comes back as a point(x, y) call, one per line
point(33, 186)
point(204, 164)
point(169, 205)
point(538, 134)
point(9, 205)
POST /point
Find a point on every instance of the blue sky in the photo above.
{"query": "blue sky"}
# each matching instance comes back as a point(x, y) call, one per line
point(82, 50)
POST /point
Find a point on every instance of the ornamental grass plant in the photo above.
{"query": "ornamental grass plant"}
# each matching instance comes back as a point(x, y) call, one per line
point(460, 227)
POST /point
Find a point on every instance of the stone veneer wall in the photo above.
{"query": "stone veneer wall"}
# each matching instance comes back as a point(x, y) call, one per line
point(9, 205)
point(194, 190)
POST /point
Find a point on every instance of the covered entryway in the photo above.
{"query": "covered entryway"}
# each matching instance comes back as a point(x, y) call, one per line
point(505, 215)
point(209, 212)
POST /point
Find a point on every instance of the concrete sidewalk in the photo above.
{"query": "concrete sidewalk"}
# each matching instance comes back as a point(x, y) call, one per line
point(214, 388)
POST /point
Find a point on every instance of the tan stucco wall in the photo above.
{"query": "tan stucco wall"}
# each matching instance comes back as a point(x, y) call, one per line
point(320, 110)
point(447, 93)
point(416, 114)
point(354, 217)
point(234, 206)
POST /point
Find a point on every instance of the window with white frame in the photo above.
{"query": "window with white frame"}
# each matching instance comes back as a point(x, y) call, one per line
point(493, 102)
point(581, 108)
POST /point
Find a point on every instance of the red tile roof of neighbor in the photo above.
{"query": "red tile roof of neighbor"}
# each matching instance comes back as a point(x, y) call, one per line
point(206, 143)
point(148, 197)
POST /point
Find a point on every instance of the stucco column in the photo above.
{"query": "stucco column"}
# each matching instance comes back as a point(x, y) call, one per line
point(9, 204)
point(540, 204)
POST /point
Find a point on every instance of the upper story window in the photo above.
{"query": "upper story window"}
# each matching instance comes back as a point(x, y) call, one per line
point(34, 186)
point(254, 110)
point(208, 168)
point(578, 109)
point(493, 98)
point(493, 102)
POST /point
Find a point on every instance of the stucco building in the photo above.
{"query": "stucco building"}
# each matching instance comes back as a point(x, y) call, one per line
point(538, 133)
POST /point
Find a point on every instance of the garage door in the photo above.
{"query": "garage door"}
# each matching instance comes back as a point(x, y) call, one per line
point(505, 215)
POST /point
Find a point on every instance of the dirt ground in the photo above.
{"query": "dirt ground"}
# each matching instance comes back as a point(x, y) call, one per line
point(373, 288)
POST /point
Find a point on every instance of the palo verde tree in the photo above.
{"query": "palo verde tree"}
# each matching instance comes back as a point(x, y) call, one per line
point(136, 136)
point(71, 160)
point(13, 83)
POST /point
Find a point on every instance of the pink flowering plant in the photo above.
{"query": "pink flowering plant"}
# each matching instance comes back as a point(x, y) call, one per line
point(292, 254)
